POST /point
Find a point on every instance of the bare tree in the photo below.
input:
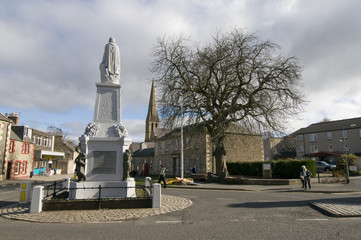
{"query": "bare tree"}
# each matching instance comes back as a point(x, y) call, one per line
point(236, 78)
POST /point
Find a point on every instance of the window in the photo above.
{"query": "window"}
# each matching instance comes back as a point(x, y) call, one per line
point(38, 140)
point(27, 132)
point(314, 149)
point(301, 149)
point(12, 146)
point(159, 147)
point(312, 137)
point(26, 148)
point(300, 138)
point(17, 167)
point(45, 142)
point(176, 144)
point(187, 142)
point(49, 142)
point(166, 146)
point(24, 167)
point(329, 135)
point(36, 164)
point(344, 133)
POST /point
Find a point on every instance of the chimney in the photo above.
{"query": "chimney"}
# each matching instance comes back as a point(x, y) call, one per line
point(14, 117)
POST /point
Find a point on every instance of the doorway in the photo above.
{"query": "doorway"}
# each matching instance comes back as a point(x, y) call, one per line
point(8, 171)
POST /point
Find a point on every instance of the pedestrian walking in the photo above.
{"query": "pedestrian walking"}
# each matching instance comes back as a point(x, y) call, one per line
point(162, 176)
point(306, 177)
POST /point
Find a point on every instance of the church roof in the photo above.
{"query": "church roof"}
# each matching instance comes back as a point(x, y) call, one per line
point(152, 108)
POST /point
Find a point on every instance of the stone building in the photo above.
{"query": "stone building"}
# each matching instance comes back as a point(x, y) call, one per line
point(198, 150)
point(46, 157)
point(65, 165)
point(328, 139)
point(20, 152)
point(143, 153)
point(5, 129)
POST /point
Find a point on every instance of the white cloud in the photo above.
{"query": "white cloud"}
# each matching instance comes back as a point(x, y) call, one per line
point(50, 51)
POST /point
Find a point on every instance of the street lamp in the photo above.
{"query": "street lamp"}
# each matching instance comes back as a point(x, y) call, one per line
point(346, 149)
point(181, 142)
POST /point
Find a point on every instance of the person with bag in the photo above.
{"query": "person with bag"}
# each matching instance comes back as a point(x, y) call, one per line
point(306, 177)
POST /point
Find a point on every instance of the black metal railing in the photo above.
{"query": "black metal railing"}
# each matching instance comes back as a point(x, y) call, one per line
point(55, 188)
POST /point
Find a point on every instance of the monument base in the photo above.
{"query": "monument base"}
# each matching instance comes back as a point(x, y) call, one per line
point(108, 189)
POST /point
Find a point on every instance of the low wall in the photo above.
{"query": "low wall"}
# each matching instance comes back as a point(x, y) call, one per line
point(58, 205)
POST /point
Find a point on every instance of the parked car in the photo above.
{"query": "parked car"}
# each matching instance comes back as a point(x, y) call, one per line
point(324, 166)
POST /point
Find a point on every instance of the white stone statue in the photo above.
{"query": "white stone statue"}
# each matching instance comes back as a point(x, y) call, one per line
point(110, 66)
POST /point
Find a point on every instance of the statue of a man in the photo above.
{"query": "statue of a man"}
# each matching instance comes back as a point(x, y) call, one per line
point(110, 65)
point(80, 162)
point(126, 164)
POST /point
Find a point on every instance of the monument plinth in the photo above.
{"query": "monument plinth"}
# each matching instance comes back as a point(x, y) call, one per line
point(105, 140)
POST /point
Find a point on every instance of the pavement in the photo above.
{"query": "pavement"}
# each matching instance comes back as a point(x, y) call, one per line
point(341, 207)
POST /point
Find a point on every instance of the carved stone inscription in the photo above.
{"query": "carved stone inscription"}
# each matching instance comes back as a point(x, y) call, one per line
point(107, 106)
point(104, 162)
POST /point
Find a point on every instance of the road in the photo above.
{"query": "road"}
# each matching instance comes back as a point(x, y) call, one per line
point(9, 195)
point(213, 215)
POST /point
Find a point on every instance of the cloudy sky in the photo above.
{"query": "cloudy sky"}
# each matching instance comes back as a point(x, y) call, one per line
point(50, 52)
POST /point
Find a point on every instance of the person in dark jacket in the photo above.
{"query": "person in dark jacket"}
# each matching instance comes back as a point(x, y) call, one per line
point(306, 177)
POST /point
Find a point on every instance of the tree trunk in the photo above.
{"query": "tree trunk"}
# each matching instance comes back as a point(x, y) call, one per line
point(221, 167)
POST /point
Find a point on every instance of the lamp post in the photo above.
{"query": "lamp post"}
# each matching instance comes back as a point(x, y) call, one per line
point(181, 142)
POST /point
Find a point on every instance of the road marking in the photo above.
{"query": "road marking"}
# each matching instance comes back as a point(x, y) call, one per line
point(312, 219)
point(231, 199)
point(7, 192)
point(166, 222)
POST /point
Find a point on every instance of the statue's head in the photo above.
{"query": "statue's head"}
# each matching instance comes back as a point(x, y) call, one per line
point(112, 40)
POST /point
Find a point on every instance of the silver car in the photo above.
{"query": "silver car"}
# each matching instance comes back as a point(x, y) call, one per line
point(323, 166)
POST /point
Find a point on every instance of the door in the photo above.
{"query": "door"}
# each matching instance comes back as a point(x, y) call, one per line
point(176, 166)
point(8, 171)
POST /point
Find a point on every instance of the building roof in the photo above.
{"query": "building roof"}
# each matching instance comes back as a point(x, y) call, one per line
point(328, 126)
point(146, 152)
point(4, 118)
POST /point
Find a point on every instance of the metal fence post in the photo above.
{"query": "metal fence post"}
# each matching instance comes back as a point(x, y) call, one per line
point(100, 193)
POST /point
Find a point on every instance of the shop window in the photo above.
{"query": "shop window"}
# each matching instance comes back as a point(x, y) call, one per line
point(36, 164)
point(12, 146)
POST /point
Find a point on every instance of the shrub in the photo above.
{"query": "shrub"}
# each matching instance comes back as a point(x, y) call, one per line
point(287, 168)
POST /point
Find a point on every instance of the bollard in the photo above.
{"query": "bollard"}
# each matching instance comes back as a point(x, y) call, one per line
point(25, 189)
point(157, 196)
point(36, 205)
point(66, 184)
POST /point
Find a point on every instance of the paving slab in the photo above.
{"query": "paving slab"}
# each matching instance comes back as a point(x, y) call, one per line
point(21, 212)
point(348, 207)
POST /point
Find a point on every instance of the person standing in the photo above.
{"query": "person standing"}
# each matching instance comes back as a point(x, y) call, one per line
point(302, 178)
point(306, 177)
point(162, 176)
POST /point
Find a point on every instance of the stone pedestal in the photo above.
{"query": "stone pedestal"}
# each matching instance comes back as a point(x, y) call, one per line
point(103, 144)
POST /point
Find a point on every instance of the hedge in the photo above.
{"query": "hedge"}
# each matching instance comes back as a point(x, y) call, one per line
point(288, 168)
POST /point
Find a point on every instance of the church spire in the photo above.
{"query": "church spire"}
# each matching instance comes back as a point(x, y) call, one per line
point(152, 121)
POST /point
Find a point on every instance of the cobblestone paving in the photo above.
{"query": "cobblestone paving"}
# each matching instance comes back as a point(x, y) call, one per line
point(339, 208)
point(21, 212)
